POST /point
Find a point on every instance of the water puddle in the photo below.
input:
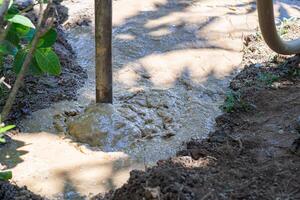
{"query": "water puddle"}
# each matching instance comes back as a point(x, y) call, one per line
point(146, 122)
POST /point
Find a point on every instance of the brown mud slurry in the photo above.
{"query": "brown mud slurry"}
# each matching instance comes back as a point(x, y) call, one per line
point(253, 154)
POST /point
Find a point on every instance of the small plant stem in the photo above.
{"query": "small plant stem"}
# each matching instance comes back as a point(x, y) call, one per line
point(3, 10)
point(20, 78)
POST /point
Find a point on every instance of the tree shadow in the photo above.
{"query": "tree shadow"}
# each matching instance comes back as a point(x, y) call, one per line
point(105, 176)
point(10, 155)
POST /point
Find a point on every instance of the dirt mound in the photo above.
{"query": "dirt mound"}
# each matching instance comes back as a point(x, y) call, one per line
point(254, 152)
point(13, 192)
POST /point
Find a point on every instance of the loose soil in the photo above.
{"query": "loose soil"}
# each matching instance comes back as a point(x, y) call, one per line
point(254, 152)
point(10, 192)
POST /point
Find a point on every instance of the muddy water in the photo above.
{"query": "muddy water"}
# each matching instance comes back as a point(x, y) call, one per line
point(168, 83)
point(172, 61)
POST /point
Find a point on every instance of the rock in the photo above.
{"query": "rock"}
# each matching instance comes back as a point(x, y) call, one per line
point(152, 193)
point(281, 131)
point(275, 85)
point(258, 65)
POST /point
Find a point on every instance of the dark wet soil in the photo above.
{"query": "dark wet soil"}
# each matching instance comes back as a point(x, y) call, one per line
point(254, 152)
point(12, 192)
point(40, 92)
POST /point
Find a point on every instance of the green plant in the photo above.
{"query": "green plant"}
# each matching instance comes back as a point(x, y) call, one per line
point(5, 176)
point(295, 72)
point(267, 78)
point(233, 101)
point(17, 41)
point(284, 25)
point(30, 46)
point(3, 130)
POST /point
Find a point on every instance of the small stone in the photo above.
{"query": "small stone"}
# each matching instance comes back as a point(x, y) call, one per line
point(258, 65)
point(152, 193)
point(275, 85)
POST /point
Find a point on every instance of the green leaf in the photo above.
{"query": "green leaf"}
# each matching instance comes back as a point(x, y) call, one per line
point(5, 176)
point(48, 61)
point(19, 60)
point(13, 10)
point(2, 140)
point(48, 39)
point(7, 48)
point(6, 128)
point(23, 32)
point(19, 19)
point(29, 35)
point(13, 37)
point(34, 68)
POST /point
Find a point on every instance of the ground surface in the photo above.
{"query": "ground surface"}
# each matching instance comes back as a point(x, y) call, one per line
point(173, 61)
point(254, 152)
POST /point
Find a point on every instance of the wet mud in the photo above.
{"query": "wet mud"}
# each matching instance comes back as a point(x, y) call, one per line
point(173, 62)
point(252, 154)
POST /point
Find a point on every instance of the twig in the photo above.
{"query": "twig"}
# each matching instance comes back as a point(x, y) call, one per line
point(207, 195)
point(12, 96)
point(2, 81)
point(3, 10)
